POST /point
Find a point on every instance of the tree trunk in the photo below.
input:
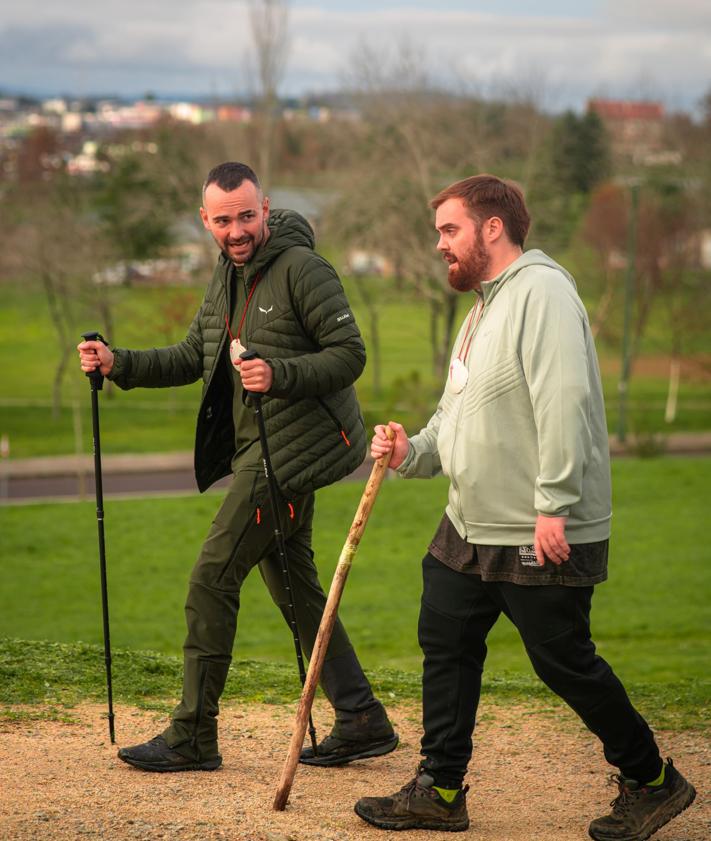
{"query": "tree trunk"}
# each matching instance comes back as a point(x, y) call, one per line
point(58, 314)
point(644, 308)
point(674, 372)
point(374, 325)
point(673, 392)
point(57, 381)
point(603, 306)
point(265, 145)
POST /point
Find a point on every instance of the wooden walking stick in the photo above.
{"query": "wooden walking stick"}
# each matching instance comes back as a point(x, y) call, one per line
point(328, 620)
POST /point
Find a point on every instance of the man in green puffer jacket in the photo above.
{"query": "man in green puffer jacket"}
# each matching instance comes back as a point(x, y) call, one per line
point(520, 432)
point(272, 293)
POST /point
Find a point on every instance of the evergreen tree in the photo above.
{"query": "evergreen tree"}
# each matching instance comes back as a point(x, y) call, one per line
point(579, 152)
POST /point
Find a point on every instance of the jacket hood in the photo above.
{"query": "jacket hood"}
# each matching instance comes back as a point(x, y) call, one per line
point(534, 257)
point(287, 229)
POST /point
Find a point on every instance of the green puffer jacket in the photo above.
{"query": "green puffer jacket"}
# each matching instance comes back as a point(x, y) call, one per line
point(300, 322)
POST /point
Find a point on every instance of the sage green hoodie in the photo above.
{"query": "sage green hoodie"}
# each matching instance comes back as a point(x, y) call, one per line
point(527, 434)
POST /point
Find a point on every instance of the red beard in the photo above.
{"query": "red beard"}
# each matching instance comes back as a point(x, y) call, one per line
point(473, 267)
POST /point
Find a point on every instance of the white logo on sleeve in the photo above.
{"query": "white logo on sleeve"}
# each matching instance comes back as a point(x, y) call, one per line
point(343, 317)
point(527, 556)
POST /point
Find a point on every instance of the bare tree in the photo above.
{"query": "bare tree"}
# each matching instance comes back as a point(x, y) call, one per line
point(667, 264)
point(605, 229)
point(684, 284)
point(404, 140)
point(269, 23)
point(61, 256)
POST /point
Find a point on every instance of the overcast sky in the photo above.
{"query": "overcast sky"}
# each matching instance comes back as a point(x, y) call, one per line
point(561, 51)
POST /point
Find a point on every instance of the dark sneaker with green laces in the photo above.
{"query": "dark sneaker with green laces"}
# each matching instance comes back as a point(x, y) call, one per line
point(418, 805)
point(639, 811)
point(155, 755)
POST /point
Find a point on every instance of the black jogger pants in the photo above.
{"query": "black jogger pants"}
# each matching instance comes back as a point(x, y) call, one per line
point(240, 538)
point(457, 612)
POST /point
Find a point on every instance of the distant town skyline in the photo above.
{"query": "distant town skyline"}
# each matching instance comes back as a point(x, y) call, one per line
point(561, 53)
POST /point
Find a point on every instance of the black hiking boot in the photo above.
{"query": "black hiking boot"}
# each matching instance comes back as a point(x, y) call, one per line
point(335, 751)
point(364, 735)
point(639, 811)
point(362, 728)
point(416, 806)
point(155, 755)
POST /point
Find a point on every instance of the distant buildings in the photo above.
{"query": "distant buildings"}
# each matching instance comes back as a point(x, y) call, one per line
point(102, 116)
point(79, 125)
point(637, 130)
point(99, 116)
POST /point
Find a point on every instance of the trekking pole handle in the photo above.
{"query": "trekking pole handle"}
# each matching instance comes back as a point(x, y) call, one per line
point(246, 357)
point(96, 377)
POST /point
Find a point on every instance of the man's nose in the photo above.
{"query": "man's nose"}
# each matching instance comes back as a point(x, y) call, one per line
point(442, 244)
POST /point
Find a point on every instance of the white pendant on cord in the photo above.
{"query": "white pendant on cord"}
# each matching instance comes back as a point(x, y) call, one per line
point(236, 349)
point(458, 376)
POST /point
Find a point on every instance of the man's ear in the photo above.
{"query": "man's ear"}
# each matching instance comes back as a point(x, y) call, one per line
point(205, 218)
point(265, 207)
point(493, 228)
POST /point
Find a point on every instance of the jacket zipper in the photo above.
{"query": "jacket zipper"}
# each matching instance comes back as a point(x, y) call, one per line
point(336, 422)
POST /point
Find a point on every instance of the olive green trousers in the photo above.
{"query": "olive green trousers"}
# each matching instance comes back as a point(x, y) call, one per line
point(240, 538)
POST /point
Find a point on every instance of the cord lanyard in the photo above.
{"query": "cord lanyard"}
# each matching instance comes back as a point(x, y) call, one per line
point(236, 347)
point(458, 371)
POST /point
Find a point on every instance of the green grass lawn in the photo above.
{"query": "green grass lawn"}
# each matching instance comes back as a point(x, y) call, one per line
point(147, 420)
point(651, 619)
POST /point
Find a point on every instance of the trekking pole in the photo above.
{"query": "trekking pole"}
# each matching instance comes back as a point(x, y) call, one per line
point(96, 379)
point(328, 620)
point(256, 398)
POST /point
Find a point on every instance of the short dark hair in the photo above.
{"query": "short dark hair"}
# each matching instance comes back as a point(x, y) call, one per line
point(485, 196)
point(229, 175)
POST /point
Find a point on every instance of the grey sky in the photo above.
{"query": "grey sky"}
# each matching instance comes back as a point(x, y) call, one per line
point(562, 52)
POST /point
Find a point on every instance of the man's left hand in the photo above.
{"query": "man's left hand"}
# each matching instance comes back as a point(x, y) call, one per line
point(550, 541)
point(256, 375)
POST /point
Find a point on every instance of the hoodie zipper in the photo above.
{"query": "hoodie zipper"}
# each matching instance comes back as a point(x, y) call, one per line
point(460, 513)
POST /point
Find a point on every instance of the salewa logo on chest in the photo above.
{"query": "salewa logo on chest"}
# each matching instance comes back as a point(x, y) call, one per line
point(266, 312)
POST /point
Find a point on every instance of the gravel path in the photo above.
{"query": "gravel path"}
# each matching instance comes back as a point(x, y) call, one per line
point(536, 775)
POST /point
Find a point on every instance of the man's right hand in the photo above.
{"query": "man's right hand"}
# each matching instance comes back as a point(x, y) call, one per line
point(381, 444)
point(95, 355)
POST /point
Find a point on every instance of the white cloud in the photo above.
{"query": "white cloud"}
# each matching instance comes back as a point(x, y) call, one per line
point(174, 47)
point(661, 15)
